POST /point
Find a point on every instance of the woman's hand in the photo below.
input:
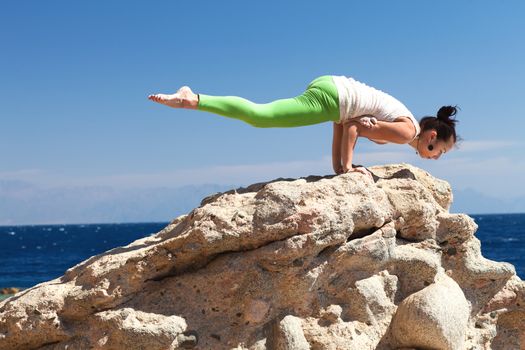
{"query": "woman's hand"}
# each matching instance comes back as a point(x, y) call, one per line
point(366, 121)
point(338, 168)
point(359, 169)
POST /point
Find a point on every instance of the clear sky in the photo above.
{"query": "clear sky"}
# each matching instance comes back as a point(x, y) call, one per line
point(74, 77)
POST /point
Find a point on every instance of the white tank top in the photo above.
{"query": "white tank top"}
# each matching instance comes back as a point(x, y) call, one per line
point(357, 99)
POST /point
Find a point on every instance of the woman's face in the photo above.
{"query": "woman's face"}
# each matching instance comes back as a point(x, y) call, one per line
point(439, 147)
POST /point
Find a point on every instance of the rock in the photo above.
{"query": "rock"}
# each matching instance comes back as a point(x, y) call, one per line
point(130, 328)
point(333, 262)
point(435, 317)
point(256, 311)
point(11, 290)
point(289, 335)
point(331, 314)
point(372, 299)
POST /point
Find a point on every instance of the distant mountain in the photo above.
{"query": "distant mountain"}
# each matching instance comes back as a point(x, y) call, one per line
point(22, 203)
point(473, 202)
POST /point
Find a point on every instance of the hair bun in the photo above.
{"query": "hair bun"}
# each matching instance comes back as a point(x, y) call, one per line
point(445, 113)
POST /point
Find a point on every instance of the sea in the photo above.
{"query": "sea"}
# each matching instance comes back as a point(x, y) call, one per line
point(37, 253)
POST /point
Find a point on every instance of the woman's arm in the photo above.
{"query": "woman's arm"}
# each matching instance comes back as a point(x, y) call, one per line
point(381, 132)
point(379, 142)
point(400, 131)
point(336, 148)
point(350, 135)
point(348, 144)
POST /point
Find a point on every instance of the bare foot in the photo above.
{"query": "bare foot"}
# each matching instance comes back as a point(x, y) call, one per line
point(183, 98)
point(367, 121)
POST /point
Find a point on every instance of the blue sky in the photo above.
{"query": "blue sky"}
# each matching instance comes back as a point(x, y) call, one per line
point(75, 77)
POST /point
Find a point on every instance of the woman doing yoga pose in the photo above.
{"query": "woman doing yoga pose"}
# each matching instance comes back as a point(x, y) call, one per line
point(356, 110)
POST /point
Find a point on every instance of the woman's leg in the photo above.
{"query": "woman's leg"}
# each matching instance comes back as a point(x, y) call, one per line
point(319, 103)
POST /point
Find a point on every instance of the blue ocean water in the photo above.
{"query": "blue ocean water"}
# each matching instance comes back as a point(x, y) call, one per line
point(34, 254)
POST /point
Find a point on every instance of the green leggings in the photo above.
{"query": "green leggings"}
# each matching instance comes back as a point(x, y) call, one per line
point(318, 104)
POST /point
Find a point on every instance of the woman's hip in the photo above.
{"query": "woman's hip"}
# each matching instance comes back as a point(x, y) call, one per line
point(325, 91)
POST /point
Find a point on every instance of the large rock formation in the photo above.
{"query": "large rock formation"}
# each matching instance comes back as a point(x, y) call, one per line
point(334, 262)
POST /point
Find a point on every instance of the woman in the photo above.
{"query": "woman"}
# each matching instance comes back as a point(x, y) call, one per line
point(354, 108)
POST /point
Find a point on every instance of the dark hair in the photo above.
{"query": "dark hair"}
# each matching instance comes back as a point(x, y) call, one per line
point(444, 125)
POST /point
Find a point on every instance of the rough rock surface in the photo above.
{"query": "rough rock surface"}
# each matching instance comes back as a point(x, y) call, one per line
point(334, 262)
point(424, 318)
